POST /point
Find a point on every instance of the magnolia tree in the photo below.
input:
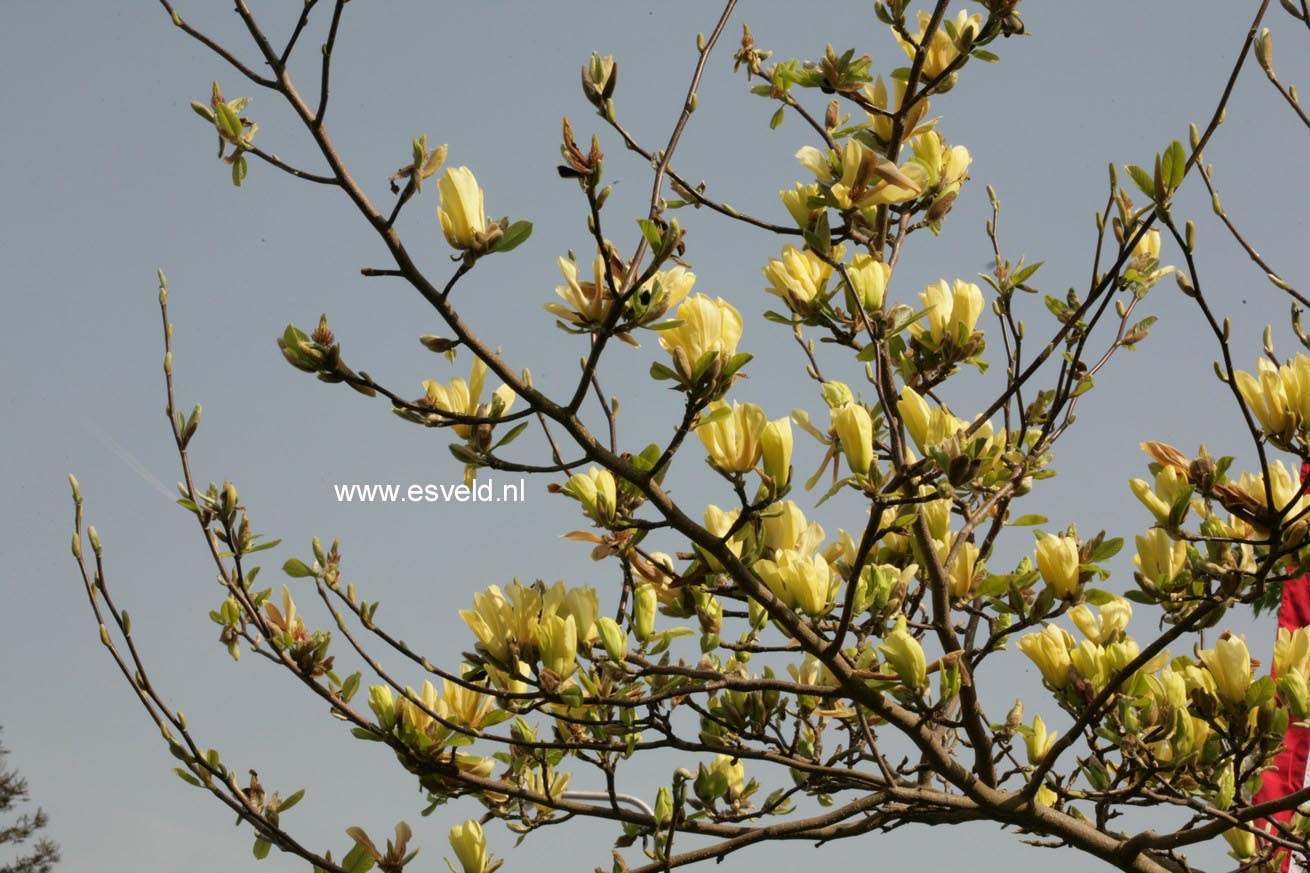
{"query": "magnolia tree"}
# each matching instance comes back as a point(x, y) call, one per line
point(816, 685)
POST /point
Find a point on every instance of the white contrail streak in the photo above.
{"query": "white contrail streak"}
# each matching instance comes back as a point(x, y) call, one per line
point(103, 437)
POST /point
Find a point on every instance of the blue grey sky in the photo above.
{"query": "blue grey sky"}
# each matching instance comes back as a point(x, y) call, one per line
point(107, 176)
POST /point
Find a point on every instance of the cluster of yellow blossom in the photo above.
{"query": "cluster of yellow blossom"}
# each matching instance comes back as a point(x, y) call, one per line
point(465, 398)
point(1180, 702)
point(934, 429)
point(522, 624)
point(943, 50)
point(952, 314)
point(1279, 398)
point(740, 436)
point(587, 304)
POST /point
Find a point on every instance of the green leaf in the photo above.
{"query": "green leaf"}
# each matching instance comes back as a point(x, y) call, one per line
point(261, 848)
point(736, 362)
point(651, 231)
point(777, 118)
point(1026, 273)
point(515, 235)
point(659, 371)
point(1174, 165)
point(666, 325)
point(357, 860)
point(1142, 180)
point(512, 435)
point(1028, 520)
point(227, 120)
point(1261, 692)
point(186, 777)
point(350, 686)
point(1097, 597)
point(291, 801)
point(264, 546)
point(296, 569)
point(1107, 549)
point(714, 415)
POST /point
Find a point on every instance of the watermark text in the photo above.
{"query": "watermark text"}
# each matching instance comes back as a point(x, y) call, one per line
point(479, 491)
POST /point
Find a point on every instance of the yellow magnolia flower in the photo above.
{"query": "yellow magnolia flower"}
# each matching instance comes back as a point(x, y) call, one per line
point(596, 491)
point(719, 522)
point(708, 326)
point(800, 277)
point(507, 623)
point(964, 574)
point(470, 846)
point(552, 785)
point(953, 312)
point(1119, 655)
point(1146, 251)
point(880, 123)
point(1292, 652)
point(1170, 484)
point(734, 440)
point(945, 167)
point(869, 278)
point(585, 303)
point(644, 603)
point(854, 426)
point(858, 178)
point(1294, 692)
point(837, 394)
point(1057, 562)
point(580, 604)
point(785, 528)
point(1108, 626)
point(1267, 399)
point(417, 716)
point(614, 638)
point(798, 202)
point(497, 620)
point(1229, 663)
point(776, 445)
point(928, 427)
point(1049, 650)
point(1288, 498)
point(383, 704)
point(1090, 661)
point(558, 638)
point(937, 513)
point(803, 584)
point(666, 289)
point(1039, 741)
point(465, 398)
point(905, 656)
point(1158, 557)
point(285, 620)
point(1279, 397)
point(463, 220)
point(732, 771)
point(464, 705)
point(942, 51)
